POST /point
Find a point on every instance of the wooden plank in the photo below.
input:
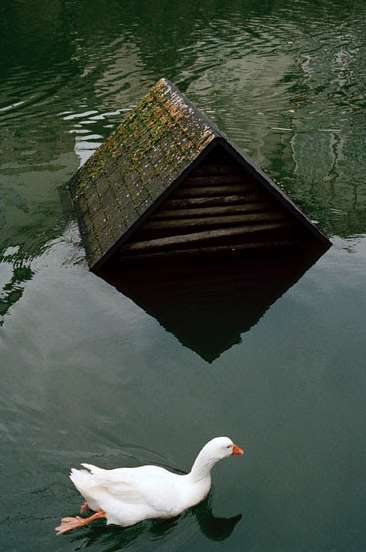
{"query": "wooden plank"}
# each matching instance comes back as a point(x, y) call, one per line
point(213, 221)
point(209, 211)
point(206, 182)
point(212, 249)
point(211, 201)
point(216, 180)
point(216, 169)
point(206, 235)
point(205, 191)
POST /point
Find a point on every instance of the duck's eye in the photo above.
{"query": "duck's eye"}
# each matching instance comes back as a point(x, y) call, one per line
point(229, 446)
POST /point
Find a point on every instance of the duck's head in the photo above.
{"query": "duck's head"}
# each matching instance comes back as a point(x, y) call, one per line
point(214, 451)
point(221, 447)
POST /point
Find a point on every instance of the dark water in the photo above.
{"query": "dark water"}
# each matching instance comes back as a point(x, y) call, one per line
point(90, 373)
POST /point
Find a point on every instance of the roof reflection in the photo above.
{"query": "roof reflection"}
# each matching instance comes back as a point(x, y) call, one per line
point(208, 306)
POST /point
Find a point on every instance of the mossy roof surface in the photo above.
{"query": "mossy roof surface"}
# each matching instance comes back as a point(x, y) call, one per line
point(147, 152)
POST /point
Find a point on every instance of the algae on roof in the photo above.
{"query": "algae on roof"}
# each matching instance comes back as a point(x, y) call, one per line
point(147, 152)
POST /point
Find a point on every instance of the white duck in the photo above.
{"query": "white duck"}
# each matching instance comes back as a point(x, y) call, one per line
point(125, 496)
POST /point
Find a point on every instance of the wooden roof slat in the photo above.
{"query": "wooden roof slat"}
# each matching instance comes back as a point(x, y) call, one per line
point(243, 198)
point(207, 249)
point(215, 180)
point(218, 221)
point(212, 169)
point(212, 191)
point(210, 211)
point(203, 236)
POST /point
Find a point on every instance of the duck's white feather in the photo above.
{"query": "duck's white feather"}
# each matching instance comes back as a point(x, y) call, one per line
point(129, 495)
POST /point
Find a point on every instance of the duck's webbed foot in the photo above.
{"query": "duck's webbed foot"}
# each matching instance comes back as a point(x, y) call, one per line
point(70, 523)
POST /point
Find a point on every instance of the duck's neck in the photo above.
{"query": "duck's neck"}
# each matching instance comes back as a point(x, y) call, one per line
point(202, 466)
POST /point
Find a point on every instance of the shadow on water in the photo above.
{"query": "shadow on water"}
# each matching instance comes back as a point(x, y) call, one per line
point(115, 538)
point(208, 306)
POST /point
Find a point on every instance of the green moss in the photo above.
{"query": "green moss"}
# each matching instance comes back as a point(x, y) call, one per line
point(143, 156)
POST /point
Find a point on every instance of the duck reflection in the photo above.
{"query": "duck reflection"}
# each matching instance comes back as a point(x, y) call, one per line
point(159, 534)
point(213, 527)
point(208, 306)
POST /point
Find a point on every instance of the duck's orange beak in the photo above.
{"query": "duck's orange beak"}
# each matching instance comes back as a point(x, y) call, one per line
point(237, 451)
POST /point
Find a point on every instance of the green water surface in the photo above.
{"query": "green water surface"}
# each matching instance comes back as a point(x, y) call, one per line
point(95, 374)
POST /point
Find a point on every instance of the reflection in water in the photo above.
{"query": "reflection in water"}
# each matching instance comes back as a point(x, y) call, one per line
point(14, 273)
point(214, 528)
point(224, 298)
point(155, 534)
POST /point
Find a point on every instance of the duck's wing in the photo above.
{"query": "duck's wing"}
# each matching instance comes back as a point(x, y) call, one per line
point(149, 485)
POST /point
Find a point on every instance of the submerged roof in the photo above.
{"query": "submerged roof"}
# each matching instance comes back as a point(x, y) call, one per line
point(144, 159)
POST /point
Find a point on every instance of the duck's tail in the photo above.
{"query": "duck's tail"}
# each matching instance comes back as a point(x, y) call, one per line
point(80, 478)
point(94, 470)
point(86, 484)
